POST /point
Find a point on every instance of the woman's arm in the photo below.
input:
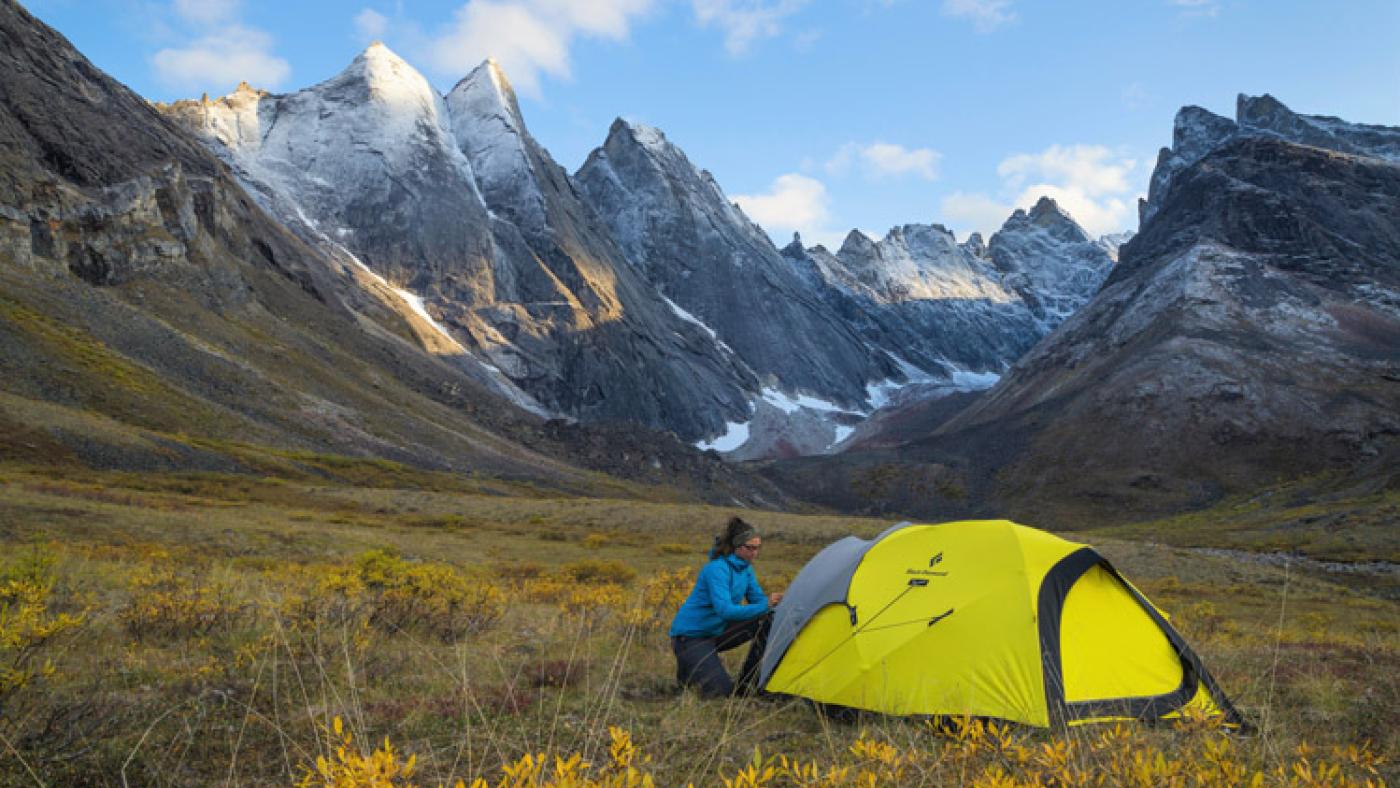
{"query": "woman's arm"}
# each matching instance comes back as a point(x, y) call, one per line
point(714, 581)
point(755, 593)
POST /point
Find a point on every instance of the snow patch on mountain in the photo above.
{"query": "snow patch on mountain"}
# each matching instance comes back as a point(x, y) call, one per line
point(502, 384)
point(842, 433)
point(735, 435)
point(689, 318)
point(791, 404)
point(486, 124)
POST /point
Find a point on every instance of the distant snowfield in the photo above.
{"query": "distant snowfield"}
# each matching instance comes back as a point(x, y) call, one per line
point(879, 394)
point(735, 435)
point(791, 405)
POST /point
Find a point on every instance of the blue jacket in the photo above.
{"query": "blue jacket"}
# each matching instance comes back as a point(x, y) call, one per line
point(724, 584)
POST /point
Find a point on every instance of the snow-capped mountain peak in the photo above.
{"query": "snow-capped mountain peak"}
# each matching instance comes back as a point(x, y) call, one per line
point(487, 91)
point(392, 84)
point(1267, 116)
point(648, 136)
point(1047, 215)
point(857, 244)
point(490, 132)
point(1048, 258)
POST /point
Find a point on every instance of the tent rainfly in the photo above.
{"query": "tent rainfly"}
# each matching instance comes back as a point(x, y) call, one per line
point(984, 619)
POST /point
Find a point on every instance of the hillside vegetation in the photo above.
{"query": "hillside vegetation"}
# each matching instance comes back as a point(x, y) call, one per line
point(200, 628)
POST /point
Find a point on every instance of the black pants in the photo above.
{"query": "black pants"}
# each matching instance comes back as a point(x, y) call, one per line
point(698, 663)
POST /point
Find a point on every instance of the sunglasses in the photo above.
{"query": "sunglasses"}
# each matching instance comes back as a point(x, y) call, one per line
point(751, 546)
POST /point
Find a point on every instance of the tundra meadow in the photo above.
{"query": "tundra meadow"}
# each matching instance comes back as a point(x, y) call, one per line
point(371, 625)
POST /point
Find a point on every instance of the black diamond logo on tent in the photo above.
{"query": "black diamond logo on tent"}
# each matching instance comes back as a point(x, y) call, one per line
point(935, 561)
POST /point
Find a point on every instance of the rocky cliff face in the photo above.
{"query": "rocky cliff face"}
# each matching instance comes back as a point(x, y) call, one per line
point(955, 315)
point(679, 230)
point(154, 316)
point(1048, 259)
point(451, 199)
point(916, 295)
point(1248, 335)
point(834, 333)
point(633, 291)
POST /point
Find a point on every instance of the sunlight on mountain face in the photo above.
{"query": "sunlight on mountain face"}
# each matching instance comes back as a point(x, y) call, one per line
point(507, 259)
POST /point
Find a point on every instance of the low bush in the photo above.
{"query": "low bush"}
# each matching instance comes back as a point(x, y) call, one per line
point(28, 626)
point(599, 572)
point(420, 595)
point(171, 603)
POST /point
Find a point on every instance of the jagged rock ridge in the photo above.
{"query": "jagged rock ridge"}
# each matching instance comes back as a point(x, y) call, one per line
point(154, 316)
point(1247, 336)
point(914, 307)
point(635, 290)
point(452, 199)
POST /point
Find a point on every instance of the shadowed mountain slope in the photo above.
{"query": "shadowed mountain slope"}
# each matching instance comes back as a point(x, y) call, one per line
point(451, 199)
point(1250, 334)
point(153, 316)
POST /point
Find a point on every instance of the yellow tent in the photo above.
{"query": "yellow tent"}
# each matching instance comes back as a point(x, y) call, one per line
point(986, 619)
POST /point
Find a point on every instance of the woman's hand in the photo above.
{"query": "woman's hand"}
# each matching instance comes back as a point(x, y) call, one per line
point(775, 599)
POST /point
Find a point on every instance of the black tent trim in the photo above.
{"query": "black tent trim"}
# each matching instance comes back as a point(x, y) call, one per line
point(1054, 589)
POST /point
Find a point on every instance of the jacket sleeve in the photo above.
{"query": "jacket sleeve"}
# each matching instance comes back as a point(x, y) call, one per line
point(754, 594)
point(714, 580)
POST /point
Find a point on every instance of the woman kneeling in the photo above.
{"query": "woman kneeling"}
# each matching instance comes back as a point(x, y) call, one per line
point(726, 609)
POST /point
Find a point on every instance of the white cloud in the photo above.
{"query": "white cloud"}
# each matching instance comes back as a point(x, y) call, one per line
point(206, 12)
point(371, 24)
point(793, 203)
point(1092, 182)
point(882, 159)
point(529, 38)
point(986, 15)
point(975, 212)
point(1093, 170)
point(745, 21)
point(606, 18)
point(220, 52)
point(1098, 216)
point(220, 60)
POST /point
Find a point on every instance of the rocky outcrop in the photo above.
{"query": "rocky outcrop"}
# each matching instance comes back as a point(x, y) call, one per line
point(634, 291)
point(1048, 259)
point(923, 299)
point(153, 316)
point(956, 316)
point(1247, 335)
point(451, 199)
point(685, 237)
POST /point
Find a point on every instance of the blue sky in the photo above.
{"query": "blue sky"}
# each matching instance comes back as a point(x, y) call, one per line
point(816, 115)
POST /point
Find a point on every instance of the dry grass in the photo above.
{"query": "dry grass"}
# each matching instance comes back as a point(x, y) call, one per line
point(217, 627)
point(1296, 517)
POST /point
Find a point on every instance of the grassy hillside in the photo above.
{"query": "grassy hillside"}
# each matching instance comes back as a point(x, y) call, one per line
point(188, 629)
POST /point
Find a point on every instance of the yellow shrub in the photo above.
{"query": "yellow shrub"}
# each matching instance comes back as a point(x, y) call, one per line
point(661, 595)
point(547, 590)
point(541, 770)
point(395, 594)
point(165, 602)
point(351, 768)
point(26, 627)
point(599, 572)
point(591, 603)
